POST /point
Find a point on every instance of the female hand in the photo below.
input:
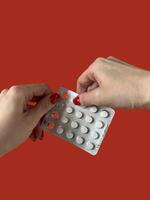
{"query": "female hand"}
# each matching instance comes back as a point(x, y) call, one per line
point(16, 120)
point(112, 82)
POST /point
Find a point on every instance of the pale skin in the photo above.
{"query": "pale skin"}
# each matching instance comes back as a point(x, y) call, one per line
point(106, 82)
point(112, 82)
point(16, 120)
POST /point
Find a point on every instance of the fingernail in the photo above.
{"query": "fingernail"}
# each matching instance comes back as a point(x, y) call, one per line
point(54, 97)
point(31, 104)
point(76, 101)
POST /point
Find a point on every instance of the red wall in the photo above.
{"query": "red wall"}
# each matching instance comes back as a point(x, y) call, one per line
point(53, 42)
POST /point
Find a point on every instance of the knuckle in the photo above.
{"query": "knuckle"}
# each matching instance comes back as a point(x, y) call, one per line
point(78, 80)
point(98, 63)
point(15, 91)
point(100, 60)
point(45, 85)
point(3, 91)
point(111, 57)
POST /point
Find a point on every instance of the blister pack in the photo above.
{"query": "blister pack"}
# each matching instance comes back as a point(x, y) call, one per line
point(84, 127)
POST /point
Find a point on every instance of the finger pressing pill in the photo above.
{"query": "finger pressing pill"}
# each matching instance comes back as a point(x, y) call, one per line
point(76, 101)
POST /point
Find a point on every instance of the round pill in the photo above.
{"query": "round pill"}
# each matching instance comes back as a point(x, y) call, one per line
point(69, 135)
point(79, 114)
point(64, 95)
point(89, 119)
point(60, 130)
point(64, 120)
point(96, 135)
point(90, 145)
point(100, 124)
point(74, 124)
point(93, 109)
point(84, 129)
point(79, 140)
point(51, 125)
point(55, 115)
point(69, 110)
point(104, 113)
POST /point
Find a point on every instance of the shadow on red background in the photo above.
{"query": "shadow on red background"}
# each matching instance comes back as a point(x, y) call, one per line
point(53, 42)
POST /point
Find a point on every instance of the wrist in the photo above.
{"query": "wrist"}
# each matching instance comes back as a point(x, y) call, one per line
point(145, 90)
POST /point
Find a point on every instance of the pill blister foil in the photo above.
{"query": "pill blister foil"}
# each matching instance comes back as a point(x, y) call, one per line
point(85, 127)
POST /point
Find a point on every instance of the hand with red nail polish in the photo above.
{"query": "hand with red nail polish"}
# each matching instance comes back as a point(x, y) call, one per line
point(114, 83)
point(21, 110)
point(37, 132)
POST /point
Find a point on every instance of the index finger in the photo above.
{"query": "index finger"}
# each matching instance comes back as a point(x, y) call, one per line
point(29, 91)
point(84, 81)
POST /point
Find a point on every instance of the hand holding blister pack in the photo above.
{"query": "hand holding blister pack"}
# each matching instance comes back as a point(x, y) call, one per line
point(85, 127)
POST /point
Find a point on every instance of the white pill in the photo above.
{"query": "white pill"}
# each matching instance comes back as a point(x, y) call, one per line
point(69, 110)
point(89, 119)
point(96, 135)
point(69, 135)
point(90, 145)
point(93, 109)
point(79, 114)
point(84, 129)
point(74, 124)
point(104, 113)
point(60, 130)
point(100, 124)
point(79, 140)
point(64, 120)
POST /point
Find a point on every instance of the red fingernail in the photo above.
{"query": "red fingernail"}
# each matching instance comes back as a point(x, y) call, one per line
point(31, 104)
point(76, 101)
point(54, 97)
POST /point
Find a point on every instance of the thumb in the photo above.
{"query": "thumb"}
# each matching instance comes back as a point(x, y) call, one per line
point(42, 108)
point(89, 98)
point(95, 97)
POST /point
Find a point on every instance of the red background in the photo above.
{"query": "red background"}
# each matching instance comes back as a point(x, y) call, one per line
point(53, 42)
